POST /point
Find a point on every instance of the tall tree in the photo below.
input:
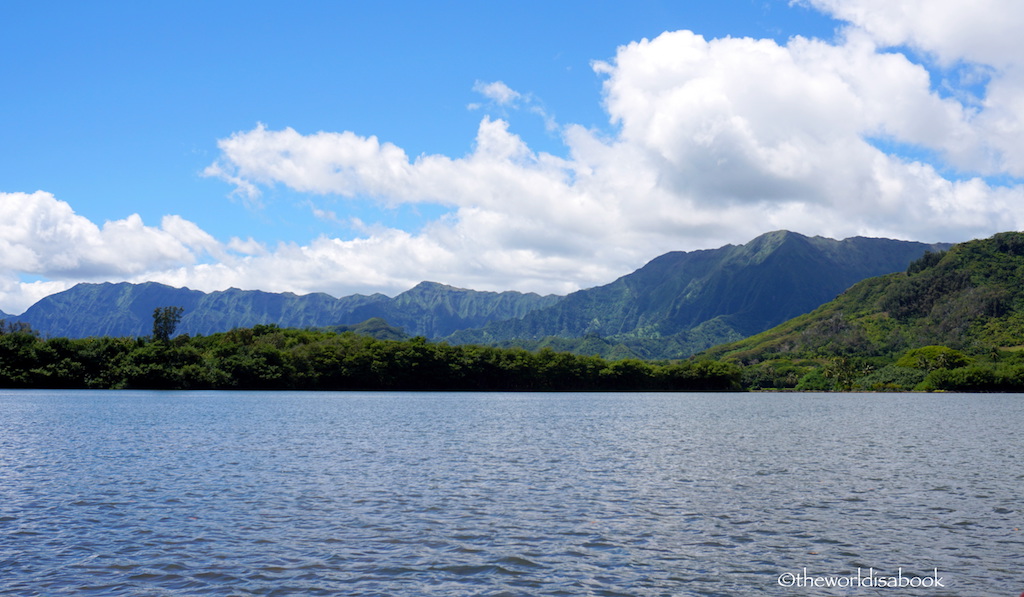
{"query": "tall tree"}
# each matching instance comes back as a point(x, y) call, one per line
point(165, 320)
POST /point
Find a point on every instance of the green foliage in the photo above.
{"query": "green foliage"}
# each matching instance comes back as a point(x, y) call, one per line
point(953, 321)
point(963, 379)
point(928, 260)
point(625, 374)
point(930, 358)
point(778, 374)
point(165, 321)
point(815, 381)
point(705, 375)
point(916, 294)
point(970, 298)
point(271, 358)
point(267, 357)
point(18, 356)
point(891, 378)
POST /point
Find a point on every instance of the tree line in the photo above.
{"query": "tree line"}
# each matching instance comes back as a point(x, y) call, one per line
point(266, 357)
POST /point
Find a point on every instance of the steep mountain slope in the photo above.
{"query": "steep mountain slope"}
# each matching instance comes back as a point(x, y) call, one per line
point(676, 305)
point(127, 309)
point(105, 309)
point(969, 298)
point(683, 302)
point(436, 310)
point(232, 308)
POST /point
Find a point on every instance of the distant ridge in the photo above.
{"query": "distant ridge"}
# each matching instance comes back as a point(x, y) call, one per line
point(678, 304)
point(684, 302)
point(125, 309)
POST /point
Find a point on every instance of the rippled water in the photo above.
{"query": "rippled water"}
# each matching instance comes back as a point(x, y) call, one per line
point(146, 493)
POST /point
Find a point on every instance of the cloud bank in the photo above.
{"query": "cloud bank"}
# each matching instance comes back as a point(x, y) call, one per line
point(908, 125)
point(43, 237)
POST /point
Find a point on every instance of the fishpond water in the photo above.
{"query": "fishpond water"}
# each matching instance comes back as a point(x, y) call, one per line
point(220, 493)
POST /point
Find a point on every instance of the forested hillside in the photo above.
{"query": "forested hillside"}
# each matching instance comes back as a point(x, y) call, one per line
point(678, 304)
point(952, 320)
point(684, 302)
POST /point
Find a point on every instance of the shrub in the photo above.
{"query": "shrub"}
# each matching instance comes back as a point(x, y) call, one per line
point(930, 358)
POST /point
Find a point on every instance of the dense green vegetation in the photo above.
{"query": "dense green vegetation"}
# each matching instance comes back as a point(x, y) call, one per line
point(954, 320)
point(267, 357)
point(676, 305)
point(684, 302)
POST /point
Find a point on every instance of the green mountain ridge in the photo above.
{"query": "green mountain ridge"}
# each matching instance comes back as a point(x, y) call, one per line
point(953, 320)
point(683, 302)
point(970, 298)
point(125, 309)
point(676, 305)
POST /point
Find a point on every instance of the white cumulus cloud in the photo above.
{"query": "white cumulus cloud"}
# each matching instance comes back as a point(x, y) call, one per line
point(42, 236)
point(983, 31)
point(714, 141)
point(972, 44)
point(709, 141)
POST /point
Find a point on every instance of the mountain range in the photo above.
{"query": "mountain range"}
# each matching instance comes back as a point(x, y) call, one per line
point(676, 305)
point(969, 298)
point(124, 309)
point(952, 321)
point(684, 302)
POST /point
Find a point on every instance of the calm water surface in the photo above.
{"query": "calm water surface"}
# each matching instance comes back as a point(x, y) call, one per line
point(147, 493)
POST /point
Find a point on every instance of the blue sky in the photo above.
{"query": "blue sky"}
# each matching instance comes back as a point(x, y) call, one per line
point(352, 147)
point(116, 107)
